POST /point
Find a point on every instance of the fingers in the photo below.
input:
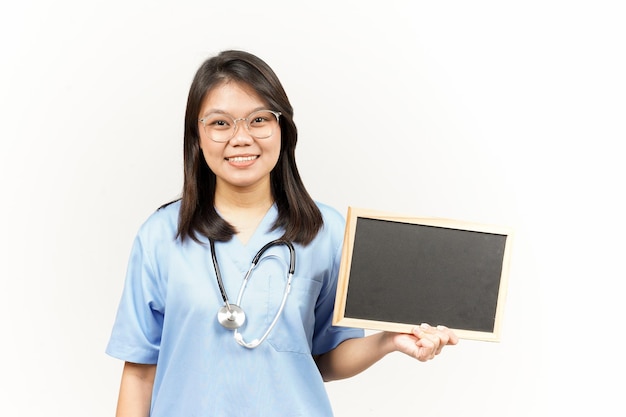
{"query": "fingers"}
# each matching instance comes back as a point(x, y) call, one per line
point(453, 339)
point(427, 347)
point(431, 341)
point(447, 336)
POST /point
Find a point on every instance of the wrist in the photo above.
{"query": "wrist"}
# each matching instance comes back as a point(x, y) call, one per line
point(387, 343)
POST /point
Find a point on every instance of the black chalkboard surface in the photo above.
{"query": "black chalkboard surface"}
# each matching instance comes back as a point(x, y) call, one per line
point(397, 272)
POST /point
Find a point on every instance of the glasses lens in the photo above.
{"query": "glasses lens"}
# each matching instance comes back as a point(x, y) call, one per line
point(262, 124)
point(219, 127)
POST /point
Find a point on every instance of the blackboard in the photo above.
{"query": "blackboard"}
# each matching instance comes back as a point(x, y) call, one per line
point(398, 271)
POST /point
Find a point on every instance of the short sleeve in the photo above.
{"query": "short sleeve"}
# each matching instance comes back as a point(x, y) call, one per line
point(326, 336)
point(136, 333)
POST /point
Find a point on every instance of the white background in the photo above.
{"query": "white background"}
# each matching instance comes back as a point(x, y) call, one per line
point(503, 112)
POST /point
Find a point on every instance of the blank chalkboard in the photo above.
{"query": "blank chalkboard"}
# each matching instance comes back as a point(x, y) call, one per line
point(398, 271)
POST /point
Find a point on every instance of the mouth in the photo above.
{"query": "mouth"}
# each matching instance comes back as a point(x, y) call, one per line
point(242, 158)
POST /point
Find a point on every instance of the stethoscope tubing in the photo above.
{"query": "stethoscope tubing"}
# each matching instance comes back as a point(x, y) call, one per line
point(218, 275)
point(231, 316)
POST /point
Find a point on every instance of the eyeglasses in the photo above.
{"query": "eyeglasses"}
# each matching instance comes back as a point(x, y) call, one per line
point(221, 127)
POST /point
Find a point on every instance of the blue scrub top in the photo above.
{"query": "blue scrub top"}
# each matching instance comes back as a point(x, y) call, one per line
point(167, 316)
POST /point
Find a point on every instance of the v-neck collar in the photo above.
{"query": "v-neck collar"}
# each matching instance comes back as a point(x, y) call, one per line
point(241, 254)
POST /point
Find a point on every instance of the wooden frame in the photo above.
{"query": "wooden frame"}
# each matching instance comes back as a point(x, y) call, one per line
point(398, 271)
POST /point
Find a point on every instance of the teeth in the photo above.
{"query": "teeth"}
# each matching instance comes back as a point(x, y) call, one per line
point(242, 158)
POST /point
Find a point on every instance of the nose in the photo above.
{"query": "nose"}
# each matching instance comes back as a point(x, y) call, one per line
point(242, 135)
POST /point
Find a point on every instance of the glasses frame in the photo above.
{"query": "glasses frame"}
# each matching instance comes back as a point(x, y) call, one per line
point(246, 119)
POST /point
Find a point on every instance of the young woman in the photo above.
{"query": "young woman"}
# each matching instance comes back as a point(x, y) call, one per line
point(201, 334)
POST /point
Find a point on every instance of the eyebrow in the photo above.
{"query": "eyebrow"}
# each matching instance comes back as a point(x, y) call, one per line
point(218, 111)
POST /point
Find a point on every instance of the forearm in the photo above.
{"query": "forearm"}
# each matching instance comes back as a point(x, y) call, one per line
point(353, 356)
point(135, 390)
point(356, 355)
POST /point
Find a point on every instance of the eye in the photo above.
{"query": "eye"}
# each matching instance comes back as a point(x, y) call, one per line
point(217, 122)
point(220, 123)
point(260, 119)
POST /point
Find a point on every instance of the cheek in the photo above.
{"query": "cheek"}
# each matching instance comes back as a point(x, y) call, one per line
point(204, 145)
point(276, 148)
point(275, 156)
point(211, 154)
point(210, 148)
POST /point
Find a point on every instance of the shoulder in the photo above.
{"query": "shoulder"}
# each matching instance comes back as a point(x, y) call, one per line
point(334, 222)
point(332, 217)
point(161, 225)
point(153, 245)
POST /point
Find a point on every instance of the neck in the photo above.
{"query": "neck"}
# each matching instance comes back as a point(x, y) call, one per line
point(243, 208)
point(254, 198)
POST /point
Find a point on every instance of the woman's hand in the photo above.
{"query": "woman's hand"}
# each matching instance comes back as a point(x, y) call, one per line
point(426, 342)
point(353, 356)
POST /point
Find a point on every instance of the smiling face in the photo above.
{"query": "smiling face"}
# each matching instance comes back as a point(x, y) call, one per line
point(242, 162)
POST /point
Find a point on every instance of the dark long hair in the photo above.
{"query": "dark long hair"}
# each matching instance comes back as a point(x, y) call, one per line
point(298, 214)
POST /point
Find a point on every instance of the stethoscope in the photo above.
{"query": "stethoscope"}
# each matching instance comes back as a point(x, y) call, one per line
point(232, 316)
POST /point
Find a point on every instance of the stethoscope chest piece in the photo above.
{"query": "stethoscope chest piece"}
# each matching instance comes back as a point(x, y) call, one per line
point(233, 318)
